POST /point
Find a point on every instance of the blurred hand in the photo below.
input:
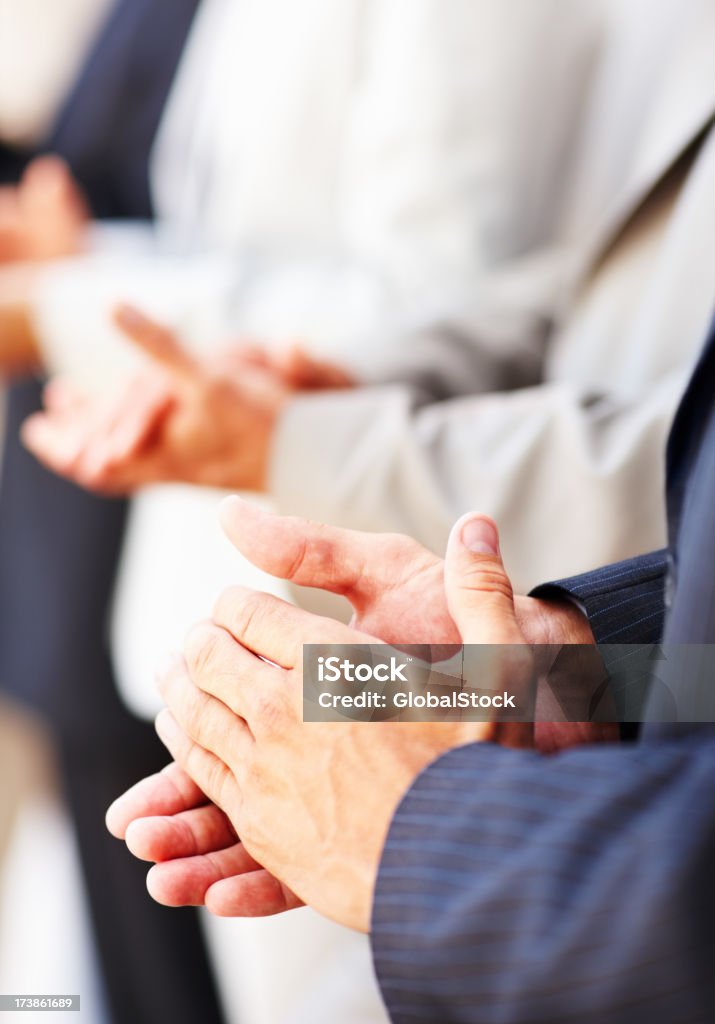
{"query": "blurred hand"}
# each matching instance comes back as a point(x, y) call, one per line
point(182, 419)
point(397, 589)
point(201, 421)
point(44, 217)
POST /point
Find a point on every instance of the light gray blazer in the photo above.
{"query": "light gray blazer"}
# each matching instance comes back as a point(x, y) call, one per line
point(560, 383)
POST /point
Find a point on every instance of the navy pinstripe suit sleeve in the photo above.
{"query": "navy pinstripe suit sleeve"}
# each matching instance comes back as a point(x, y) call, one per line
point(519, 888)
point(625, 602)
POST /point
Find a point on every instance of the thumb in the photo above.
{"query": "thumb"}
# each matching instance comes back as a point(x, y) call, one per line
point(155, 341)
point(479, 593)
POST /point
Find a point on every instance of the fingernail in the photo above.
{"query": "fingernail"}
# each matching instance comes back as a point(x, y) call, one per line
point(480, 537)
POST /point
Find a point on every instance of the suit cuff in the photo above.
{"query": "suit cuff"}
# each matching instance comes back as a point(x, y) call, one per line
point(624, 603)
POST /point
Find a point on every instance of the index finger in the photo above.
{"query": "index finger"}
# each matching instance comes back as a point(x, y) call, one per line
point(156, 341)
point(309, 554)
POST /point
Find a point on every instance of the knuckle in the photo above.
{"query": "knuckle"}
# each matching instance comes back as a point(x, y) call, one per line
point(225, 603)
point(194, 707)
point(489, 580)
point(202, 648)
point(301, 554)
point(248, 608)
point(195, 765)
point(268, 713)
point(217, 781)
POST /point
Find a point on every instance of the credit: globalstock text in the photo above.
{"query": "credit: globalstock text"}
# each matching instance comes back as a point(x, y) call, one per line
point(407, 699)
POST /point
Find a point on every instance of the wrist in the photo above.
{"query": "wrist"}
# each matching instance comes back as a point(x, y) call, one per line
point(552, 622)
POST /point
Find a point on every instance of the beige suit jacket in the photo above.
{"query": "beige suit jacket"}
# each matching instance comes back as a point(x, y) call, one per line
point(572, 465)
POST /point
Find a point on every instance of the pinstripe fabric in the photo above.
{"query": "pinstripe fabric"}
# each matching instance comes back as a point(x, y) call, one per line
point(624, 602)
point(519, 889)
point(691, 509)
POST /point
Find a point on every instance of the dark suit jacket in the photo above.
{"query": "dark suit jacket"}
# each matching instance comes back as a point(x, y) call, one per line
point(58, 553)
point(59, 545)
point(107, 123)
point(577, 888)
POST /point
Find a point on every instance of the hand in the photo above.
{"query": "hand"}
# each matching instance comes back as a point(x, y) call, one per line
point(44, 217)
point(394, 584)
point(41, 219)
point(200, 421)
point(397, 590)
point(184, 419)
point(199, 859)
point(312, 802)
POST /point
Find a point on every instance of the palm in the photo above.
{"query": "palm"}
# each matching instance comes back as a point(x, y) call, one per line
point(405, 599)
